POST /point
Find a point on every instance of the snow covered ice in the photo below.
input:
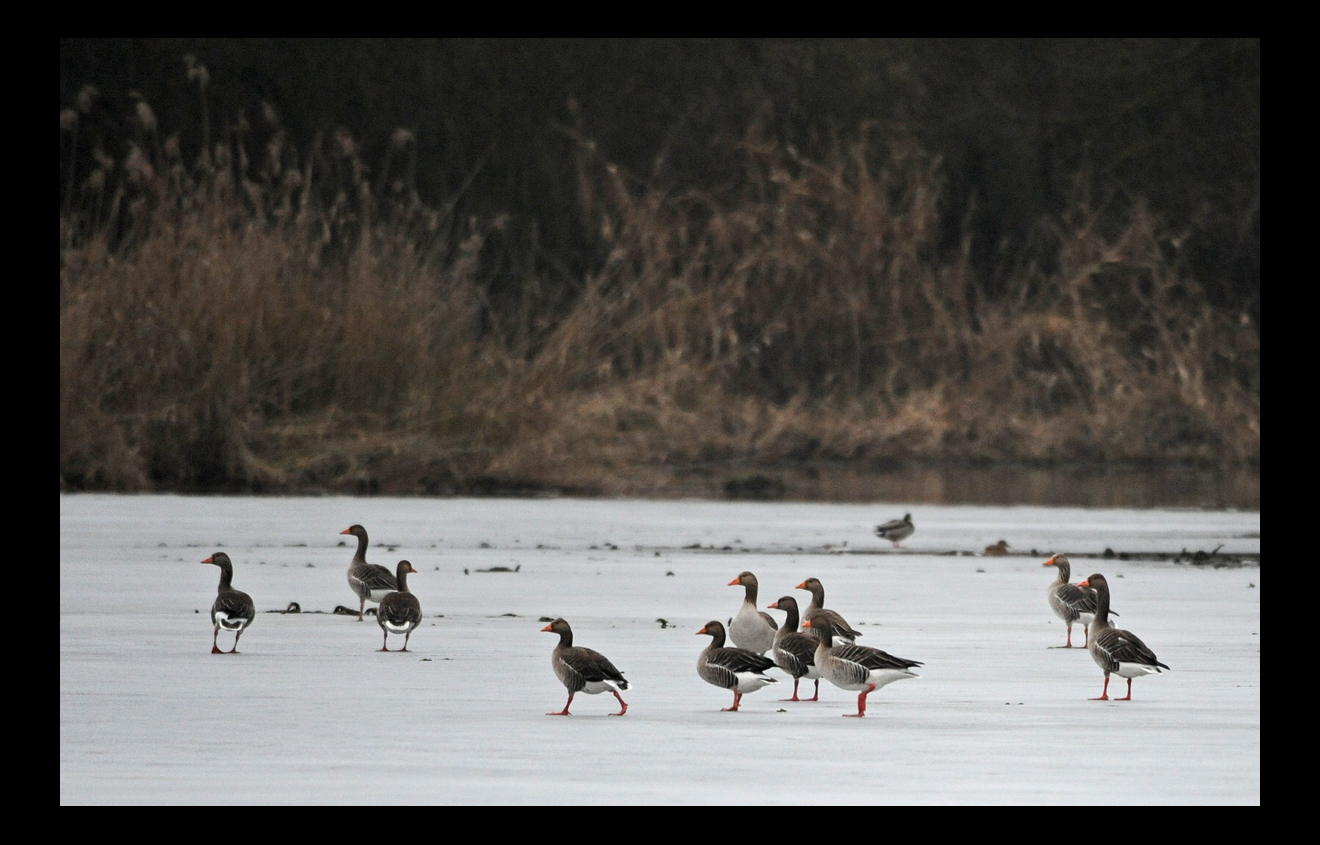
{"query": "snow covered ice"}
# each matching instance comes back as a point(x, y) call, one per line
point(310, 712)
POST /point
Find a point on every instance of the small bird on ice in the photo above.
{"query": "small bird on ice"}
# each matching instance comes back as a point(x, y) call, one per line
point(896, 529)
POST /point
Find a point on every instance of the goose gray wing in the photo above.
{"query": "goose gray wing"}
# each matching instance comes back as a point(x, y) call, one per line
point(366, 578)
point(842, 629)
point(586, 666)
point(1119, 646)
point(1075, 599)
point(721, 666)
point(795, 654)
point(868, 658)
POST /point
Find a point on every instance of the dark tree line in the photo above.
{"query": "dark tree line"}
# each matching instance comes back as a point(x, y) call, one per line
point(1022, 126)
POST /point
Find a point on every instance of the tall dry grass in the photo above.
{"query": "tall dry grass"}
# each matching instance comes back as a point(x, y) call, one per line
point(809, 313)
point(268, 324)
point(264, 319)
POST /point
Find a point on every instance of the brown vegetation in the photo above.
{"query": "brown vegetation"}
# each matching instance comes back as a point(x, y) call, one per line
point(258, 320)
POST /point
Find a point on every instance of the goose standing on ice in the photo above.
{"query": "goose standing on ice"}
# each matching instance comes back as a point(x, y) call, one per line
point(583, 670)
point(734, 669)
point(795, 653)
point(751, 629)
point(857, 667)
point(368, 581)
point(1115, 650)
point(896, 529)
point(1071, 603)
point(233, 609)
point(400, 612)
point(842, 629)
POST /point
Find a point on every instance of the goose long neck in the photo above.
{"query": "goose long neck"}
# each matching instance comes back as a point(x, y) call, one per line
point(401, 576)
point(716, 638)
point(790, 616)
point(817, 597)
point(750, 595)
point(566, 638)
point(824, 642)
point(1101, 604)
point(361, 556)
point(1065, 570)
point(226, 576)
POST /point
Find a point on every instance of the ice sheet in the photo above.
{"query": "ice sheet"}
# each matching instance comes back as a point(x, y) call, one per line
point(311, 713)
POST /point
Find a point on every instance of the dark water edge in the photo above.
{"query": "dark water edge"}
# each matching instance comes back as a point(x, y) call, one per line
point(1079, 486)
point(1091, 486)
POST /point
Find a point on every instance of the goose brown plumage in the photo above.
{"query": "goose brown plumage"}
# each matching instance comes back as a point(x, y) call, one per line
point(794, 652)
point(1070, 602)
point(1115, 650)
point(583, 670)
point(842, 629)
point(400, 612)
point(751, 629)
point(233, 609)
point(369, 581)
point(734, 669)
point(857, 667)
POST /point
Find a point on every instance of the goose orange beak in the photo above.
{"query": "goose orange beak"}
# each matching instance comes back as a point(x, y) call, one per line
point(346, 531)
point(547, 627)
point(772, 606)
point(806, 624)
point(736, 581)
point(1085, 583)
point(1049, 562)
point(801, 586)
point(703, 630)
point(210, 559)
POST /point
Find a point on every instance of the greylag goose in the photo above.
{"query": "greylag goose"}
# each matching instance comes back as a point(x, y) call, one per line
point(751, 629)
point(734, 669)
point(857, 667)
point(400, 612)
point(997, 550)
point(233, 609)
point(842, 629)
point(1072, 603)
point(1116, 650)
point(896, 529)
point(583, 670)
point(795, 653)
point(368, 581)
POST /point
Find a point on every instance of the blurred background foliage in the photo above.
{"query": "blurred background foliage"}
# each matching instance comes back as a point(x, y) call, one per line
point(595, 264)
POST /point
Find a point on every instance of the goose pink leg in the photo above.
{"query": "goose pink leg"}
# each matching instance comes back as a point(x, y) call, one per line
point(565, 712)
point(861, 703)
point(795, 686)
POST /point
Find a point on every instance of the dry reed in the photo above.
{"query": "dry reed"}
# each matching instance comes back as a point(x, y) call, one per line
point(259, 321)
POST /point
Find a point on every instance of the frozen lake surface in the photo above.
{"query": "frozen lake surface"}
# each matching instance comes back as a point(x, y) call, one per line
point(309, 712)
